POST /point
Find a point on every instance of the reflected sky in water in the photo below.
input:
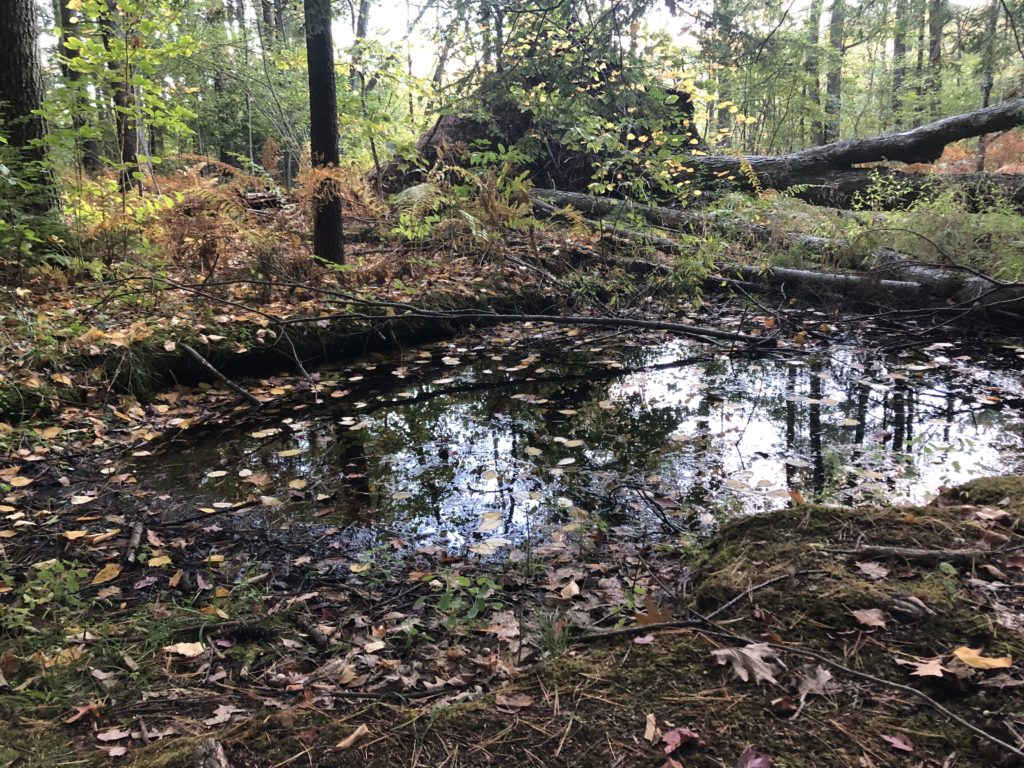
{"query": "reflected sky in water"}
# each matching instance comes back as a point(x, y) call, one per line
point(482, 447)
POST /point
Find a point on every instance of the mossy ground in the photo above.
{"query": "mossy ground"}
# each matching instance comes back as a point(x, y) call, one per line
point(590, 706)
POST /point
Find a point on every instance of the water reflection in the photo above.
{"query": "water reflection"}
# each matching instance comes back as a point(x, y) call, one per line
point(487, 449)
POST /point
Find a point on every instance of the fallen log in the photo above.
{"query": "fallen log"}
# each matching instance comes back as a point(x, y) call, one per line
point(883, 188)
point(918, 145)
point(893, 276)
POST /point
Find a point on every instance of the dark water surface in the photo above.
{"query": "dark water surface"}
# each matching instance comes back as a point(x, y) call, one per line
point(485, 445)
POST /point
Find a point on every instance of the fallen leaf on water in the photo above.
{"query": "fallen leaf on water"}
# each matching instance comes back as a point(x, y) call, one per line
point(972, 657)
point(900, 742)
point(870, 617)
point(359, 733)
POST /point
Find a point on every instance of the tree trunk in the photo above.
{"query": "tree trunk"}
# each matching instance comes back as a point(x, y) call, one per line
point(21, 93)
point(936, 23)
point(988, 66)
point(357, 78)
point(267, 9)
point(279, 21)
point(123, 96)
point(88, 148)
point(834, 78)
point(328, 242)
point(920, 11)
point(899, 62)
point(812, 69)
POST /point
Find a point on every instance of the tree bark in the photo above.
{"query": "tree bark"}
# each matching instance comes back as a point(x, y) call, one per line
point(328, 236)
point(988, 66)
point(123, 96)
point(812, 70)
point(21, 94)
point(834, 78)
point(923, 144)
point(899, 61)
point(936, 23)
point(88, 147)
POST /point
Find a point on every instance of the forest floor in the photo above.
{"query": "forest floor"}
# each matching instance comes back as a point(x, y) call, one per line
point(134, 626)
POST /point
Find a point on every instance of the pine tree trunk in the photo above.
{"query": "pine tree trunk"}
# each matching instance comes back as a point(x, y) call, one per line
point(328, 243)
point(21, 92)
point(834, 78)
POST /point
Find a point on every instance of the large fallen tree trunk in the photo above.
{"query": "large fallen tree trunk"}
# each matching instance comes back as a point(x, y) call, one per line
point(918, 145)
point(827, 175)
point(892, 276)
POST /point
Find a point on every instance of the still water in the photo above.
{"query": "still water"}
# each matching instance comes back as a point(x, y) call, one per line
point(484, 444)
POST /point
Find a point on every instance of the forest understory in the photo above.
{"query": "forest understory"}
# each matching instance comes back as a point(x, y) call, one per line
point(145, 627)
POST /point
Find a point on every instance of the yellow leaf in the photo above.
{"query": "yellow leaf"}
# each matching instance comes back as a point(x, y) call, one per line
point(159, 561)
point(297, 485)
point(359, 567)
point(19, 481)
point(8, 534)
point(108, 572)
point(72, 535)
point(188, 650)
point(79, 500)
point(972, 657)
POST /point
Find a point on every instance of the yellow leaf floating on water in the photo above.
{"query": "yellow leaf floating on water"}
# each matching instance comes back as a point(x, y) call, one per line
point(972, 657)
point(108, 572)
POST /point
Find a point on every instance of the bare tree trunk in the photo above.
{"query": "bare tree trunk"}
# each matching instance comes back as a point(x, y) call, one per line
point(812, 68)
point(920, 11)
point(328, 242)
point(21, 93)
point(88, 149)
point(988, 65)
point(123, 97)
point(267, 11)
point(834, 78)
point(937, 12)
point(279, 21)
point(357, 78)
point(899, 61)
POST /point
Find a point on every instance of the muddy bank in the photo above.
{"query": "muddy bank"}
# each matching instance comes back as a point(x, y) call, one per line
point(897, 619)
point(249, 346)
